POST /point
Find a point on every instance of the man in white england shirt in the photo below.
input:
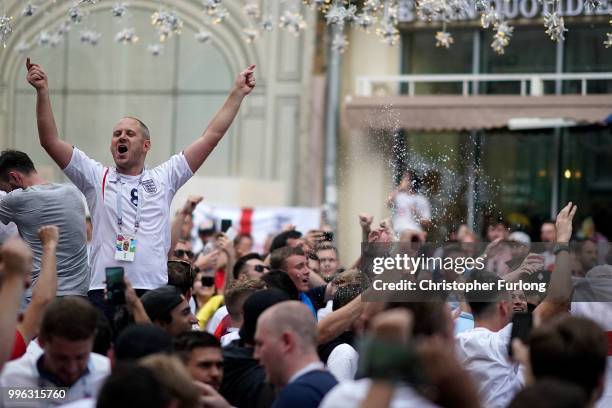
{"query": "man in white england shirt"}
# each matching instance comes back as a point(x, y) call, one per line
point(483, 351)
point(130, 204)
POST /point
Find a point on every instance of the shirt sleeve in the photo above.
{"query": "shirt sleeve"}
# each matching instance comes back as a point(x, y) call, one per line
point(6, 209)
point(175, 172)
point(84, 172)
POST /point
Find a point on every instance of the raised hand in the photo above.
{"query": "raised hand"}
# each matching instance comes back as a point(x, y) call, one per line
point(564, 222)
point(49, 235)
point(365, 220)
point(191, 204)
point(36, 76)
point(245, 81)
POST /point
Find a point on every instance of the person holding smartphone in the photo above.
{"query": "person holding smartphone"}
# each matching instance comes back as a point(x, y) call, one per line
point(129, 203)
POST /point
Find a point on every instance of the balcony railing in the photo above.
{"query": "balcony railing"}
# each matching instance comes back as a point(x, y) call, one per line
point(530, 84)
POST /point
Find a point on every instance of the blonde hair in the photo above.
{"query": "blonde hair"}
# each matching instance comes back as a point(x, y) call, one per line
point(173, 375)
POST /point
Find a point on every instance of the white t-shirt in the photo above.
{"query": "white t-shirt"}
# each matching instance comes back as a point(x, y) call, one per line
point(100, 186)
point(350, 394)
point(233, 333)
point(600, 313)
point(23, 372)
point(343, 362)
point(410, 209)
point(484, 354)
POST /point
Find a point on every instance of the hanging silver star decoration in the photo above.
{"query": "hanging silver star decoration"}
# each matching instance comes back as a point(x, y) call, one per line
point(250, 34)
point(5, 29)
point(75, 14)
point(155, 49)
point(555, 26)
point(64, 28)
point(608, 41)
point(28, 10)
point(203, 36)
point(292, 22)
point(119, 10)
point(89, 37)
point(92, 2)
point(365, 21)
point(22, 48)
point(267, 23)
point(167, 23)
point(501, 38)
point(251, 10)
point(340, 43)
point(444, 39)
point(126, 36)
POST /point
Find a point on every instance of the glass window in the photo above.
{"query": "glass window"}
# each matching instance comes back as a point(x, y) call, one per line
point(585, 52)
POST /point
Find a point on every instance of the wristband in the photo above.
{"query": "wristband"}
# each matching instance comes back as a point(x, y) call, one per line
point(560, 247)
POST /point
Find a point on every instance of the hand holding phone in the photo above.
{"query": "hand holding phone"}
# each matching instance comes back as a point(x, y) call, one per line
point(115, 285)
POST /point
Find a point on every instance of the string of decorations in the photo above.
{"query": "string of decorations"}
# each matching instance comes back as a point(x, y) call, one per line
point(380, 16)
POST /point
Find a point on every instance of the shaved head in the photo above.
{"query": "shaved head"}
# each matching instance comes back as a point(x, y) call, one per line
point(291, 316)
point(144, 128)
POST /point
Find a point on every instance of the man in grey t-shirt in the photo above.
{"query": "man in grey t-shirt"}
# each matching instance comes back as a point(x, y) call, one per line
point(31, 203)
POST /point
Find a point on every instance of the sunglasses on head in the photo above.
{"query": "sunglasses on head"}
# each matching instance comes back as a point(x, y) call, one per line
point(261, 268)
point(179, 253)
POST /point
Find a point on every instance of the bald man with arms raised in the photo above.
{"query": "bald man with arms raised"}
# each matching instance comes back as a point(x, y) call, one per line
point(285, 344)
point(129, 203)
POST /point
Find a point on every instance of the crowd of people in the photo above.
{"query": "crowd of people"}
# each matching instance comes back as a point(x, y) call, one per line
point(225, 326)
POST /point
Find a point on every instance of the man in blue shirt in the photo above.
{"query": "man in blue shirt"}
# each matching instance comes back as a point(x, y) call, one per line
point(285, 344)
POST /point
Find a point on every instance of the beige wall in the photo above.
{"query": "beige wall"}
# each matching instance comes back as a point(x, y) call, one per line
point(364, 176)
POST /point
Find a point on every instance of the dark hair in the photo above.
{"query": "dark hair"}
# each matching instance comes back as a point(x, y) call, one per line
point(185, 342)
point(550, 393)
point(238, 289)
point(71, 318)
point(130, 386)
point(140, 340)
point(241, 263)
point(430, 317)
point(281, 239)
point(158, 303)
point(483, 302)
point(279, 256)
point(143, 127)
point(325, 245)
point(570, 349)
point(180, 275)
point(104, 335)
point(280, 280)
point(15, 160)
point(253, 307)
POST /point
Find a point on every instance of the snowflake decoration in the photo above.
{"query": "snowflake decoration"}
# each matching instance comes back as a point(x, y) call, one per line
point(203, 36)
point(167, 23)
point(119, 10)
point(75, 14)
point(444, 39)
point(489, 18)
point(592, 4)
point(89, 37)
point(250, 34)
point(218, 15)
point(482, 6)
point(340, 43)
point(92, 2)
point(336, 15)
point(29, 10)
point(292, 22)
point(389, 33)
point(5, 29)
point(55, 40)
point(155, 49)
point(365, 21)
point(608, 42)
point(126, 36)
point(372, 5)
point(211, 6)
point(251, 10)
point(555, 26)
point(501, 38)
point(267, 24)
point(43, 39)
point(64, 28)
point(22, 48)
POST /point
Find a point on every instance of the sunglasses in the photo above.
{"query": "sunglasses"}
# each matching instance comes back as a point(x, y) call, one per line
point(179, 253)
point(261, 268)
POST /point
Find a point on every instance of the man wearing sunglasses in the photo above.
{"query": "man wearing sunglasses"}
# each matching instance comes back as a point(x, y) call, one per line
point(183, 251)
point(251, 266)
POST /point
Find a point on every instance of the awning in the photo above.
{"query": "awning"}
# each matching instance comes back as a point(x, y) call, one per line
point(456, 112)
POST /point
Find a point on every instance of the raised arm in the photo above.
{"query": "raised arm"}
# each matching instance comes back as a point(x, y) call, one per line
point(179, 220)
point(45, 289)
point(199, 150)
point(559, 291)
point(59, 150)
point(15, 270)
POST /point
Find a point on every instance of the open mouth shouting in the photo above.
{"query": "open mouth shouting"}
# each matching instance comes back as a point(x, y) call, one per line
point(122, 149)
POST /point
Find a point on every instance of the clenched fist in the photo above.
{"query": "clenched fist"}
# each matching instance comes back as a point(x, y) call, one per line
point(36, 76)
point(245, 82)
point(49, 235)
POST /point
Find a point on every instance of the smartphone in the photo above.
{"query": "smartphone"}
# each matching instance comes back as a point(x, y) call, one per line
point(522, 324)
point(115, 285)
point(225, 225)
point(328, 236)
point(208, 281)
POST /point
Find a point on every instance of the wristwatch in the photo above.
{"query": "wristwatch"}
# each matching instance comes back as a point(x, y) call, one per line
point(560, 247)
